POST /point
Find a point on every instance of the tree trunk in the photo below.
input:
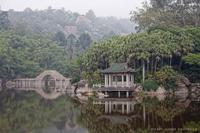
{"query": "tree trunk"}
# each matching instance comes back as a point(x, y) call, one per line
point(147, 67)
point(143, 70)
point(155, 66)
point(152, 65)
point(144, 115)
point(162, 62)
point(170, 61)
point(134, 64)
point(180, 63)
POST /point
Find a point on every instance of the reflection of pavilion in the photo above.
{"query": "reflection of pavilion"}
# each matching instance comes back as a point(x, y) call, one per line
point(122, 106)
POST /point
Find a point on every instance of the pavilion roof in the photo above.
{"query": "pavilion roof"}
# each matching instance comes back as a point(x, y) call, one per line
point(119, 68)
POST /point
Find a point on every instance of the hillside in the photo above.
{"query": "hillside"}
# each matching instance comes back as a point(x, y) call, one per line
point(55, 20)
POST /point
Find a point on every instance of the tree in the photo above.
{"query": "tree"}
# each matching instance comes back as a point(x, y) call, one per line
point(167, 77)
point(4, 21)
point(148, 51)
point(60, 38)
point(191, 66)
point(27, 56)
point(192, 59)
point(72, 43)
point(85, 40)
point(90, 15)
point(180, 13)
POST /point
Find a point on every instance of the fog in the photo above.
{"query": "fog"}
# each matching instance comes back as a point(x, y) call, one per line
point(117, 8)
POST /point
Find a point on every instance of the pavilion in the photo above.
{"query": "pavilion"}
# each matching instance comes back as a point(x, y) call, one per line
point(118, 78)
point(119, 75)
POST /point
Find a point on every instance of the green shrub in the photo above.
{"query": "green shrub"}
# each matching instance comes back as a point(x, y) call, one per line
point(167, 77)
point(149, 85)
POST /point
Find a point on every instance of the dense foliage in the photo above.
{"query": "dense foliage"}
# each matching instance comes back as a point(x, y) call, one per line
point(147, 51)
point(60, 41)
point(192, 59)
point(26, 56)
point(181, 13)
point(192, 66)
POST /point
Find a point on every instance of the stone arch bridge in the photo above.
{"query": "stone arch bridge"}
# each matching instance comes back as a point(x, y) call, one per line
point(50, 84)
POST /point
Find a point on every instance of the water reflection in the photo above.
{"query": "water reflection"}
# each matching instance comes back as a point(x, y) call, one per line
point(23, 112)
point(121, 106)
point(148, 114)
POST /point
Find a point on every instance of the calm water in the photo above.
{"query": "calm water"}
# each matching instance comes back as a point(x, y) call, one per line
point(27, 112)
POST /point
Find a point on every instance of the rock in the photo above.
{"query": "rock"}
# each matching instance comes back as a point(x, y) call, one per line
point(161, 90)
point(161, 97)
point(193, 95)
point(181, 90)
point(138, 89)
point(193, 89)
point(182, 86)
point(185, 81)
point(82, 83)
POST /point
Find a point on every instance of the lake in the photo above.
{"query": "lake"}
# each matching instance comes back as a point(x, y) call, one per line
point(28, 112)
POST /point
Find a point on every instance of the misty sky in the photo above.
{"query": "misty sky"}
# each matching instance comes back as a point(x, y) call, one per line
point(118, 8)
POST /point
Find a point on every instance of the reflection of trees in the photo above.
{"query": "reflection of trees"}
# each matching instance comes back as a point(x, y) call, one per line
point(193, 122)
point(192, 126)
point(152, 113)
point(168, 109)
point(25, 112)
point(165, 111)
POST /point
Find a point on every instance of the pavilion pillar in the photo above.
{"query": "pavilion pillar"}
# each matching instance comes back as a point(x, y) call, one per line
point(127, 94)
point(110, 80)
point(132, 78)
point(119, 95)
point(106, 93)
point(122, 108)
point(110, 107)
point(106, 107)
point(122, 80)
point(127, 80)
point(128, 107)
point(133, 107)
point(106, 80)
point(116, 81)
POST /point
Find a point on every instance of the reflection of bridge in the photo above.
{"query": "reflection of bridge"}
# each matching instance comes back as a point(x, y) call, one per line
point(50, 84)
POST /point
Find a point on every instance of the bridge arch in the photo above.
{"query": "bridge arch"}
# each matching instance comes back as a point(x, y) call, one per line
point(61, 82)
point(50, 78)
point(52, 73)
